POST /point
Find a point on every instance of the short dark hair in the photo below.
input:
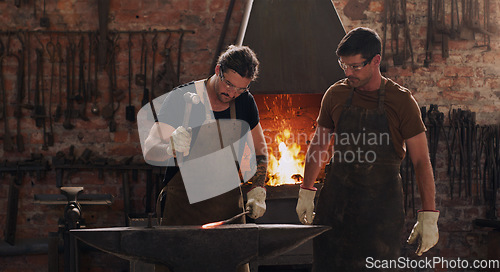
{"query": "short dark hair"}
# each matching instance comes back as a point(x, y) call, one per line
point(241, 59)
point(361, 40)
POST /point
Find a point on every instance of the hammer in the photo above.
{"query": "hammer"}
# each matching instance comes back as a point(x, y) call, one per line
point(190, 99)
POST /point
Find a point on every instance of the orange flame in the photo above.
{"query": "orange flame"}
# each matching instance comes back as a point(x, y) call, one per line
point(289, 167)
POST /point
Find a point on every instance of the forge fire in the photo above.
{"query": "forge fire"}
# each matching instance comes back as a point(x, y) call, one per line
point(286, 165)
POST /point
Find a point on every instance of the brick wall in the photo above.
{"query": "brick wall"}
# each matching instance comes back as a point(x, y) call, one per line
point(467, 79)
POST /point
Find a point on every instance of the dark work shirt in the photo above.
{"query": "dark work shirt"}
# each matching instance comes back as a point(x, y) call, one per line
point(173, 108)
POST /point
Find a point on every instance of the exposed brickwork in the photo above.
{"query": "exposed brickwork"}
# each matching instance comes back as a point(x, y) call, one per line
point(469, 79)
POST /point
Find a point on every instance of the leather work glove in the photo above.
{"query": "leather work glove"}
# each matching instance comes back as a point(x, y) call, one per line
point(182, 141)
point(425, 231)
point(305, 205)
point(256, 202)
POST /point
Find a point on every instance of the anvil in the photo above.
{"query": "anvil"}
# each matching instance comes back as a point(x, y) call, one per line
point(187, 248)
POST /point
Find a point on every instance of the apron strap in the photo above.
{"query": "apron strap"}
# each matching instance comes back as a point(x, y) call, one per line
point(348, 102)
point(381, 96)
point(232, 109)
point(201, 90)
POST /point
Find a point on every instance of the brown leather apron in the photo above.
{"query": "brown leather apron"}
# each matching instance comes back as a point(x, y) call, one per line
point(178, 210)
point(362, 198)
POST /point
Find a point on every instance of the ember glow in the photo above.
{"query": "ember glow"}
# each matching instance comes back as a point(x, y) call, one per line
point(212, 225)
point(288, 166)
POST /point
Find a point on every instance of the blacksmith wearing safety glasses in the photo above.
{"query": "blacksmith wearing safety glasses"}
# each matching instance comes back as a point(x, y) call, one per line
point(362, 197)
point(224, 95)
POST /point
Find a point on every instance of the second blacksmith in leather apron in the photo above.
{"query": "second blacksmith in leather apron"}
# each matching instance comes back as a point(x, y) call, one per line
point(362, 198)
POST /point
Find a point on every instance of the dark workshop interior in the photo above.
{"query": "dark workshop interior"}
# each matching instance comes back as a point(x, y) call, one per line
point(74, 74)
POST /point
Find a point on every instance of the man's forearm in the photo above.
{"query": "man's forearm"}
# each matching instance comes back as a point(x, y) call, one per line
point(426, 186)
point(316, 157)
point(419, 153)
point(259, 179)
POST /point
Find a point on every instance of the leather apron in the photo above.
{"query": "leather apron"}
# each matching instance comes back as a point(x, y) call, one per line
point(362, 197)
point(178, 210)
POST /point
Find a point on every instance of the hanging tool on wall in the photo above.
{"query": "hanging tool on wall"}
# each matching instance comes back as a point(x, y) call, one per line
point(79, 96)
point(440, 30)
point(476, 22)
point(487, 35)
point(430, 35)
point(466, 32)
point(470, 123)
point(95, 108)
point(12, 210)
point(126, 196)
point(68, 112)
point(383, 64)
point(463, 150)
point(436, 120)
point(88, 85)
point(19, 94)
point(452, 152)
point(460, 141)
point(395, 19)
point(455, 20)
point(145, 93)
point(408, 48)
point(44, 20)
point(166, 78)
point(395, 14)
point(130, 109)
point(8, 144)
point(154, 48)
point(82, 92)
point(51, 51)
point(408, 179)
point(103, 11)
point(40, 90)
point(28, 104)
point(39, 111)
point(58, 112)
point(140, 77)
point(491, 172)
point(108, 112)
point(18, 169)
point(179, 56)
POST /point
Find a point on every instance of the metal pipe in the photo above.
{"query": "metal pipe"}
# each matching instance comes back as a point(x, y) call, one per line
point(244, 22)
point(180, 30)
point(25, 247)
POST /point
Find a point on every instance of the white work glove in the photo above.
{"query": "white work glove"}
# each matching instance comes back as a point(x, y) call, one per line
point(305, 205)
point(256, 202)
point(425, 230)
point(182, 141)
